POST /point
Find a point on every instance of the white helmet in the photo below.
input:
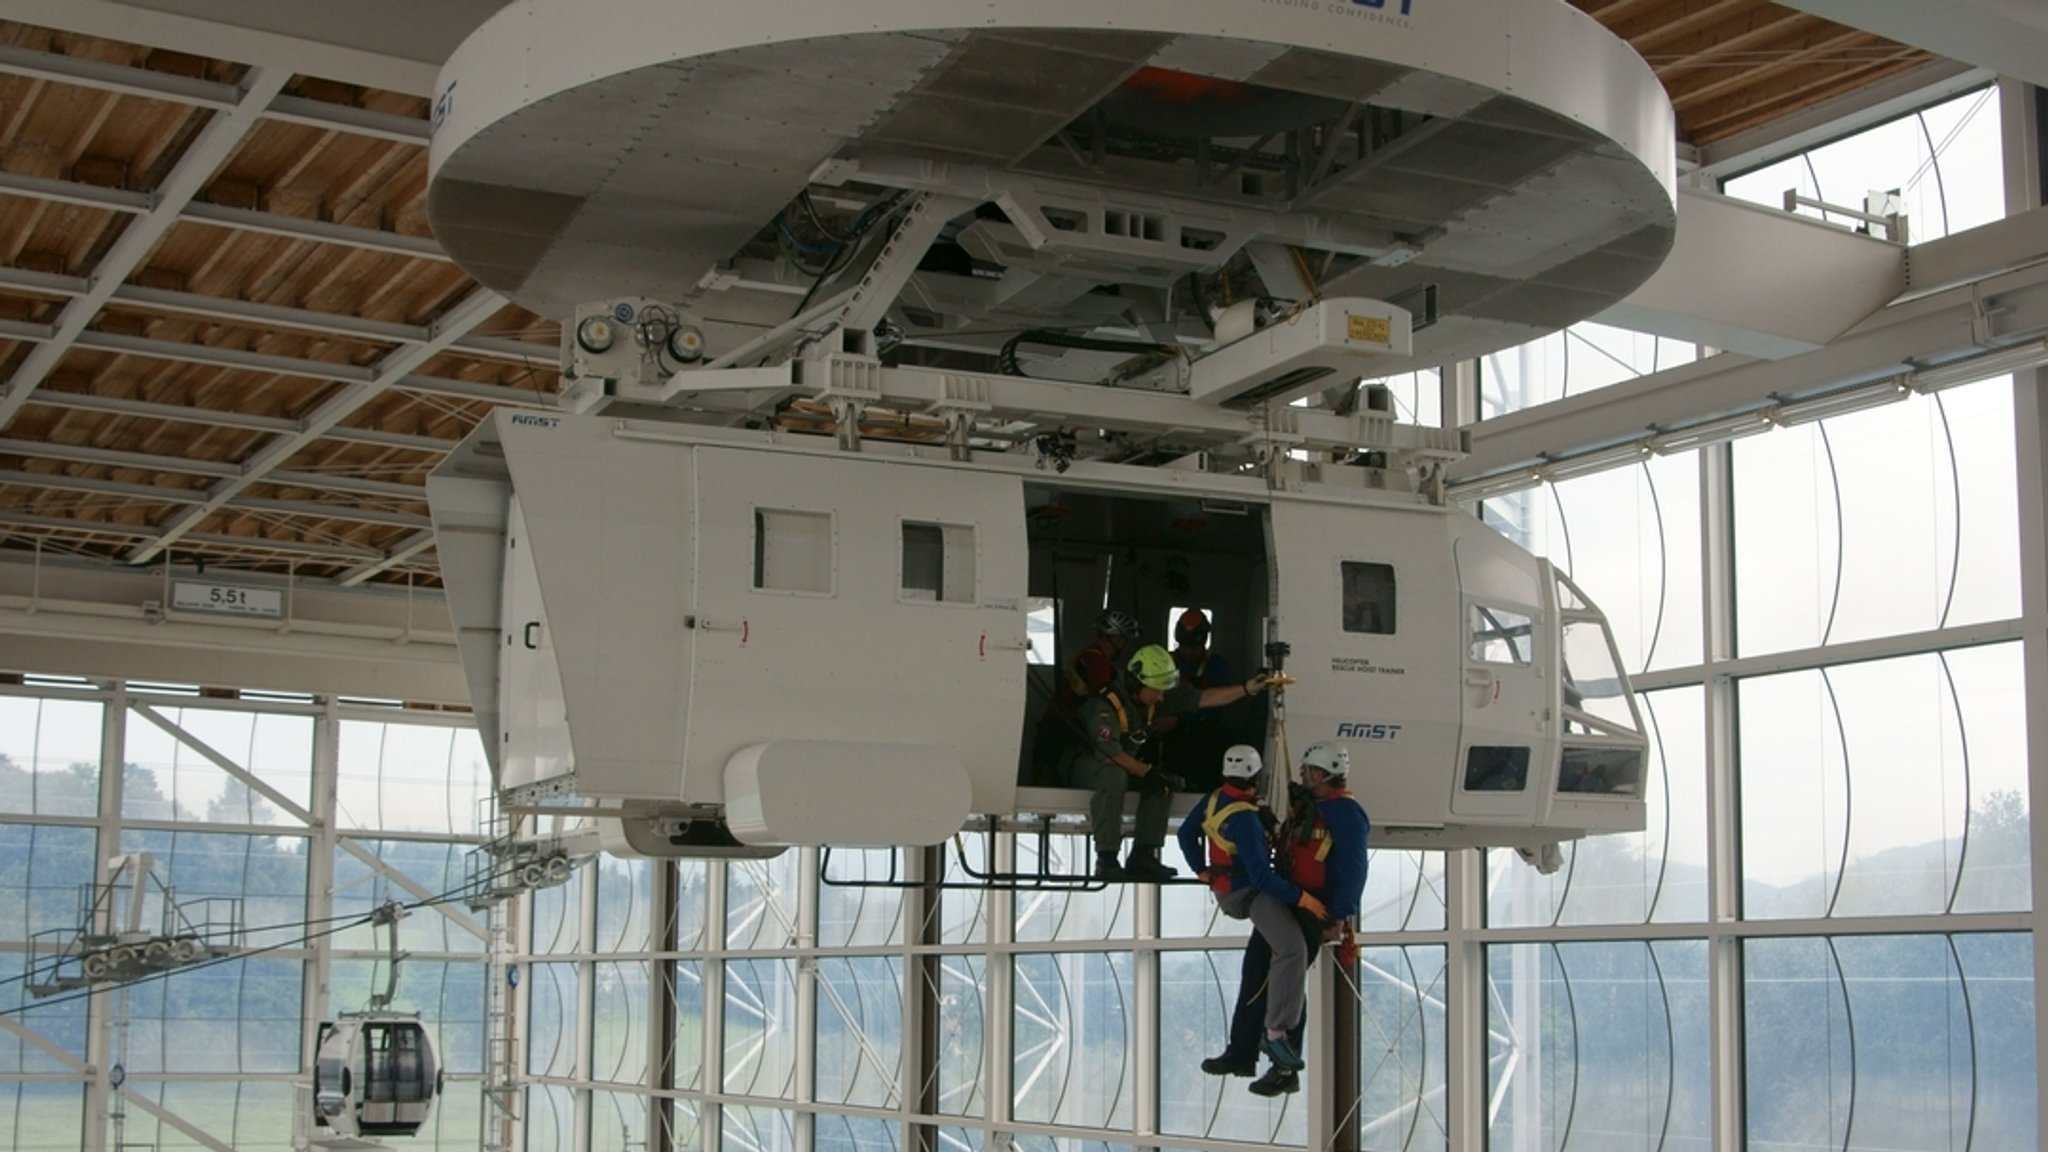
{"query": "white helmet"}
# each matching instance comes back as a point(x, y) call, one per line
point(1242, 762)
point(1330, 759)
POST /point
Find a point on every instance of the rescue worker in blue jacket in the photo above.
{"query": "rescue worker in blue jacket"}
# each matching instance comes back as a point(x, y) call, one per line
point(1224, 841)
point(1117, 722)
point(1322, 849)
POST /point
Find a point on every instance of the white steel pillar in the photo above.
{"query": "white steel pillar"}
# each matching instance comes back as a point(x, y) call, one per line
point(1465, 1079)
point(318, 993)
point(100, 1006)
point(584, 1066)
point(2026, 152)
point(1724, 891)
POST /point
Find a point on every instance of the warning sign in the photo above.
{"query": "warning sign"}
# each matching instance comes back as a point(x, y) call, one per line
point(1368, 329)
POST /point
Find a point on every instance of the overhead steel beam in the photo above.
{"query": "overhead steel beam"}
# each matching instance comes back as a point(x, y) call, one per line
point(393, 368)
point(121, 78)
point(32, 333)
point(501, 394)
point(113, 458)
point(354, 121)
point(250, 312)
point(405, 550)
point(218, 357)
point(122, 406)
point(59, 482)
point(220, 418)
point(73, 192)
point(317, 231)
point(353, 485)
point(354, 513)
point(266, 544)
point(516, 351)
point(196, 499)
point(220, 215)
point(213, 144)
point(411, 442)
point(212, 94)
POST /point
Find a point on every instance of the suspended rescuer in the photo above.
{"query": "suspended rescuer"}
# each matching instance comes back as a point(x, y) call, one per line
point(1322, 851)
point(1117, 722)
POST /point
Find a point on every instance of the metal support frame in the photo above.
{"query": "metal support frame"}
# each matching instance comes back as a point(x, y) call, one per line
point(213, 145)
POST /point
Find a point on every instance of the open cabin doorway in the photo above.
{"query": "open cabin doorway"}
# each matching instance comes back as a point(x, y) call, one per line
point(1153, 557)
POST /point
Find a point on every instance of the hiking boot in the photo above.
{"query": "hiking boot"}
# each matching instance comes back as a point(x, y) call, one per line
point(1228, 1065)
point(1276, 1081)
point(1283, 1054)
point(1144, 867)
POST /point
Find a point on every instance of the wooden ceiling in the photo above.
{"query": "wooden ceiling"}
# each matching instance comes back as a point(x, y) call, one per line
point(229, 337)
point(1734, 65)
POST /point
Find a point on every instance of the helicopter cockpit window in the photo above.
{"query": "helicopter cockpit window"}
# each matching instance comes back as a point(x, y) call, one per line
point(792, 551)
point(938, 562)
point(1368, 597)
point(1501, 636)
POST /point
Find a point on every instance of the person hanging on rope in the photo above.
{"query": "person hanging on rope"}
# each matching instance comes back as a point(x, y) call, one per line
point(1322, 850)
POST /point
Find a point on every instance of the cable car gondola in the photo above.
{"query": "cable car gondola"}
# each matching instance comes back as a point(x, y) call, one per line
point(375, 1075)
point(374, 1072)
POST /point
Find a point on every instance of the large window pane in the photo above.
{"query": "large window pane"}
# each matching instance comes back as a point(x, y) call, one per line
point(173, 777)
point(761, 903)
point(1863, 786)
point(1893, 520)
point(1599, 1045)
point(760, 1028)
point(1887, 1042)
point(238, 1016)
point(411, 777)
point(962, 1004)
point(860, 1030)
point(1946, 163)
point(624, 899)
point(1401, 1049)
point(850, 914)
point(1055, 915)
point(1580, 359)
point(1196, 993)
point(369, 872)
point(266, 873)
point(618, 1022)
point(1631, 538)
point(1071, 1055)
point(49, 756)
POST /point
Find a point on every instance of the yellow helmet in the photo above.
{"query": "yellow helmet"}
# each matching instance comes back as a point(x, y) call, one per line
point(1153, 667)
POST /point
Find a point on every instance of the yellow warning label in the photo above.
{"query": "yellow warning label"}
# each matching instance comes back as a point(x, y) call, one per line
point(1368, 329)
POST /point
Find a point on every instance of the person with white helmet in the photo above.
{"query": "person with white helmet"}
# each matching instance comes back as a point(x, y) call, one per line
point(1322, 851)
point(1117, 722)
point(1224, 841)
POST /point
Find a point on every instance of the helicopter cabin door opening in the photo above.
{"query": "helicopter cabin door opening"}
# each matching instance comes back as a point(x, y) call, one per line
point(1157, 558)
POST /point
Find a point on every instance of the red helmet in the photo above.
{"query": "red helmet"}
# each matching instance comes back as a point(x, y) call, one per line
point(1192, 629)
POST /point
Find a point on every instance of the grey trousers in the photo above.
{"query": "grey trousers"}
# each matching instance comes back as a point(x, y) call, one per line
point(1287, 976)
point(1106, 807)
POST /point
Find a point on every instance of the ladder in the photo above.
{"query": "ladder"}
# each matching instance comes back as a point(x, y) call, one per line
point(501, 1059)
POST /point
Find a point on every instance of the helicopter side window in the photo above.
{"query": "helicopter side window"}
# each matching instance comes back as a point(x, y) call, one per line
point(1490, 768)
point(938, 562)
point(1501, 636)
point(792, 551)
point(1368, 597)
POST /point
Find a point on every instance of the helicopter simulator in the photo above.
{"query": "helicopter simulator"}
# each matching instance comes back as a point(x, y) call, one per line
point(929, 330)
